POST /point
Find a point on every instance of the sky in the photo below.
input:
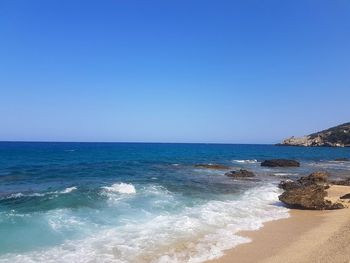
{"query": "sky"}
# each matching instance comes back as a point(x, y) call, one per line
point(172, 71)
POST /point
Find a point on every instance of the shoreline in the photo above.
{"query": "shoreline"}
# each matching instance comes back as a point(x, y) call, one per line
point(306, 236)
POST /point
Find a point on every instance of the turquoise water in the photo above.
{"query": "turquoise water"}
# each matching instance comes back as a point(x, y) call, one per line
point(131, 202)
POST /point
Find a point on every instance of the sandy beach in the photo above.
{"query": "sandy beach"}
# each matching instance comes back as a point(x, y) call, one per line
point(307, 236)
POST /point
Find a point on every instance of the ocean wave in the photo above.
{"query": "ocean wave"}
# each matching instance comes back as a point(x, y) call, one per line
point(158, 190)
point(62, 219)
point(68, 190)
point(121, 188)
point(246, 161)
point(20, 195)
point(14, 196)
point(194, 234)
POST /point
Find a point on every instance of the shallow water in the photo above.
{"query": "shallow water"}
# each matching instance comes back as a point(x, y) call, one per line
point(125, 202)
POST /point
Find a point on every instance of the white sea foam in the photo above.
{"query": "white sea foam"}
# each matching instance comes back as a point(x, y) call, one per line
point(63, 219)
point(121, 188)
point(64, 191)
point(19, 195)
point(68, 190)
point(193, 234)
point(245, 161)
point(16, 195)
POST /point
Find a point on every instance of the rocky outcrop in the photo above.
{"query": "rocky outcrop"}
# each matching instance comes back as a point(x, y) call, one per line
point(288, 184)
point(240, 174)
point(309, 192)
point(320, 178)
point(309, 197)
point(338, 136)
point(212, 166)
point(280, 163)
point(314, 178)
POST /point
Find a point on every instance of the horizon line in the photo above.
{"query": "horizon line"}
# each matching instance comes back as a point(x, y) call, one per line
point(135, 142)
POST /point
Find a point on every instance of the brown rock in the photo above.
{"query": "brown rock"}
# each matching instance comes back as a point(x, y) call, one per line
point(288, 184)
point(240, 173)
point(309, 197)
point(314, 178)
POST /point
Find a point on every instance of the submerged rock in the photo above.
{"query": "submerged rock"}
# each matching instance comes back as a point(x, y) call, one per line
point(212, 166)
point(240, 173)
point(280, 163)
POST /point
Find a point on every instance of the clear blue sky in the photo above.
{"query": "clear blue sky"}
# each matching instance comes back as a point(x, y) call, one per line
point(172, 71)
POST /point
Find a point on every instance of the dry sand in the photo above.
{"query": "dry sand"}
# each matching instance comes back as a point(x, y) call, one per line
point(305, 237)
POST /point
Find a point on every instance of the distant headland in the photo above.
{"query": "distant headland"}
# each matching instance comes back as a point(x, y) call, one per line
point(338, 136)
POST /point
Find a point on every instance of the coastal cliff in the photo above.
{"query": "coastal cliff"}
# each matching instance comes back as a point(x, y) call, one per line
point(338, 136)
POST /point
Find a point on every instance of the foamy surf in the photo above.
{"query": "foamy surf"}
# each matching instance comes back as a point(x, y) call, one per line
point(193, 234)
point(68, 190)
point(121, 188)
point(20, 195)
point(246, 161)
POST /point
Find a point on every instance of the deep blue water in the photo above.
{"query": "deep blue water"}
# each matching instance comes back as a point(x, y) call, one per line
point(121, 202)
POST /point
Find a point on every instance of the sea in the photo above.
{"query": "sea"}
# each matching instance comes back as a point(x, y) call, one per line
point(141, 202)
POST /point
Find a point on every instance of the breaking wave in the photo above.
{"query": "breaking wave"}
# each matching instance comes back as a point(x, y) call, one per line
point(20, 195)
point(121, 188)
point(195, 233)
point(246, 161)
